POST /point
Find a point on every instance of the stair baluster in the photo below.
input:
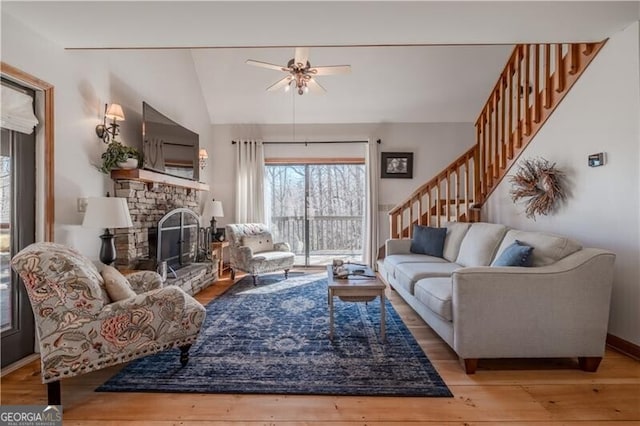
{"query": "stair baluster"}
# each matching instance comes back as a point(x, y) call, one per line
point(516, 109)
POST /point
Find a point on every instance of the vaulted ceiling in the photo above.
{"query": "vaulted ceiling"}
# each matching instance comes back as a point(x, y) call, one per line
point(411, 61)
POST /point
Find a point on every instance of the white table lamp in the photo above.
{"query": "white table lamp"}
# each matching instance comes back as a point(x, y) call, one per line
point(107, 212)
point(216, 211)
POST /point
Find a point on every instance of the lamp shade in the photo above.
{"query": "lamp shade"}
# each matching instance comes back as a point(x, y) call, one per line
point(115, 112)
point(107, 212)
point(202, 154)
point(216, 209)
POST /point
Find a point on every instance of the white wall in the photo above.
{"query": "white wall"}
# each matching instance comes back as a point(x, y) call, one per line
point(601, 113)
point(434, 145)
point(84, 82)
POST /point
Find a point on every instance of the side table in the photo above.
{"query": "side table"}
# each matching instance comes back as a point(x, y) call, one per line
point(218, 249)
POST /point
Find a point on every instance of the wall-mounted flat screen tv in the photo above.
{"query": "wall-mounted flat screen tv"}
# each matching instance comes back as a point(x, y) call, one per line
point(168, 147)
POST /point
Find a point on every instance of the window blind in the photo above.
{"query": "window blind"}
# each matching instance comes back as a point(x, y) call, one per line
point(16, 110)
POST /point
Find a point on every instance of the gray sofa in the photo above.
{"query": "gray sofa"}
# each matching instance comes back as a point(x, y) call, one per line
point(559, 307)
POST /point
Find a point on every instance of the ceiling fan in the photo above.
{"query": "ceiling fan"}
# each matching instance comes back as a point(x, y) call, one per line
point(300, 74)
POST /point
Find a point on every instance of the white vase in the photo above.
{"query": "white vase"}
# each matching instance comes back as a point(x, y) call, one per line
point(131, 163)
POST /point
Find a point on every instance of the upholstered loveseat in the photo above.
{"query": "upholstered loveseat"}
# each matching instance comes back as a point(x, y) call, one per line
point(558, 307)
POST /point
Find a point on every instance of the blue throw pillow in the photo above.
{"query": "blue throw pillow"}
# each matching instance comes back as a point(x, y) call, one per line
point(427, 240)
point(517, 254)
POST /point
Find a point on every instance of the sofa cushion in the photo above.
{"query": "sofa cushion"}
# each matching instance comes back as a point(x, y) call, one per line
point(548, 248)
point(428, 240)
point(407, 274)
point(480, 243)
point(258, 243)
point(391, 262)
point(117, 286)
point(270, 261)
point(516, 254)
point(274, 255)
point(455, 233)
point(436, 294)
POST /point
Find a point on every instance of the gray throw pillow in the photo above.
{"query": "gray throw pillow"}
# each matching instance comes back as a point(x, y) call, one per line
point(517, 254)
point(427, 240)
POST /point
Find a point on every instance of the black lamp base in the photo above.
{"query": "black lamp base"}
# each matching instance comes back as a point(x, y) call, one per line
point(108, 248)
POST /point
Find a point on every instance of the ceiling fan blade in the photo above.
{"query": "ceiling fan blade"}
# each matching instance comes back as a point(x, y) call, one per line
point(331, 69)
point(315, 87)
point(302, 56)
point(265, 65)
point(279, 84)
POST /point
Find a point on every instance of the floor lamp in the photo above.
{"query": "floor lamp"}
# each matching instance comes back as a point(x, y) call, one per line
point(107, 212)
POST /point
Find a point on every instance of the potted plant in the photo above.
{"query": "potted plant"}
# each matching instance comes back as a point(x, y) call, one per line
point(117, 156)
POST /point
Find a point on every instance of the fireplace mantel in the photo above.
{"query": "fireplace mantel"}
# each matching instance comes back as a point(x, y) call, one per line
point(153, 178)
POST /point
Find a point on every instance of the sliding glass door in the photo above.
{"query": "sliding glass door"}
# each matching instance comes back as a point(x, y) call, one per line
point(17, 230)
point(318, 208)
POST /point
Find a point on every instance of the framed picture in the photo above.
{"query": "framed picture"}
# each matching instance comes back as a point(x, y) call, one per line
point(397, 165)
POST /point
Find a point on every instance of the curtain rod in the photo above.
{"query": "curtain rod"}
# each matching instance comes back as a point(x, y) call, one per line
point(307, 142)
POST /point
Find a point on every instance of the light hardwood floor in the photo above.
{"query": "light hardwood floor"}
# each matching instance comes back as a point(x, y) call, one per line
point(506, 392)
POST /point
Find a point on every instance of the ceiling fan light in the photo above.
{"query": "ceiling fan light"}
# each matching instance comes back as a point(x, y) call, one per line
point(299, 73)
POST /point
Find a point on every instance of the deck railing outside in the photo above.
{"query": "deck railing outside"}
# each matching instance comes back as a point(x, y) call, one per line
point(328, 235)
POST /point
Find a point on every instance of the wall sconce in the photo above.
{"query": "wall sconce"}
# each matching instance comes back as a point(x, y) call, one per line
point(203, 156)
point(109, 132)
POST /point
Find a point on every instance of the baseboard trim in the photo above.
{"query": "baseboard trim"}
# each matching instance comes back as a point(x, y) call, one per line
point(19, 364)
point(624, 346)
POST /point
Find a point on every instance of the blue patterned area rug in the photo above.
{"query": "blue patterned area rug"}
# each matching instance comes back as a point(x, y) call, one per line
point(273, 339)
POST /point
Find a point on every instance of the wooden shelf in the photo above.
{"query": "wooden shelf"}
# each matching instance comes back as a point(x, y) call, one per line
point(153, 178)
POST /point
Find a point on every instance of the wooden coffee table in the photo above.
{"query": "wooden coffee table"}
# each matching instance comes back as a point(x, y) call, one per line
point(356, 289)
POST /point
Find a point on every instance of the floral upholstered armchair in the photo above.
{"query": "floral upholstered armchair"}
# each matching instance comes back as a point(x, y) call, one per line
point(252, 250)
point(81, 329)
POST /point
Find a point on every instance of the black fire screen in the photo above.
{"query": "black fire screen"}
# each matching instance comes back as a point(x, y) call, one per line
point(176, 238)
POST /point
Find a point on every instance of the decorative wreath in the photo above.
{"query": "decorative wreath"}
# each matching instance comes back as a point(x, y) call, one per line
point(540, 185)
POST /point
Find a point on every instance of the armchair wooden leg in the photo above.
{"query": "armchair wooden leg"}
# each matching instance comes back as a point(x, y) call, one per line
point(53, 393)
point(589, 363)
point(233, 274)
point(470, 365)
point(255, 280)
point(184, 354)
point(286, 274)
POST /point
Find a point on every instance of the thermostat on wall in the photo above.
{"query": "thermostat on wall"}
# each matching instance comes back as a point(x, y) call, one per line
point(596, 160)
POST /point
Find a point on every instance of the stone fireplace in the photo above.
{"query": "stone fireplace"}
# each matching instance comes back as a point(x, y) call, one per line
point(148, 204)
point(150, 197)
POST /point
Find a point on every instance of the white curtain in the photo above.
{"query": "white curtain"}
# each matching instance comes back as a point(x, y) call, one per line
point(371, 216)
point(250, 182)
point(16, 111)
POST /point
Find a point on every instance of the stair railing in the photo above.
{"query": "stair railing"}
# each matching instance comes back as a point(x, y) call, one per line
point(446, 197)
point(534, 81)
point(532, 84)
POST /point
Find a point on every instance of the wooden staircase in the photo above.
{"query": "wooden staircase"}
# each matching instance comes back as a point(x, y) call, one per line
point(533, 83)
